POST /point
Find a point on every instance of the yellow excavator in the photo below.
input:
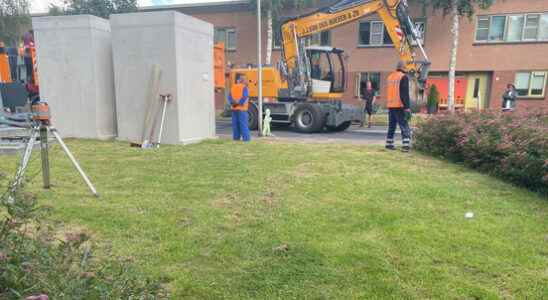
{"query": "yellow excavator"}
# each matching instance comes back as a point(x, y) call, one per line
point(308, 84)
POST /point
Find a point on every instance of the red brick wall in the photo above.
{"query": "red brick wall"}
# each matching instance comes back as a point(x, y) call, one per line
point(499, 82)
point(503, 60)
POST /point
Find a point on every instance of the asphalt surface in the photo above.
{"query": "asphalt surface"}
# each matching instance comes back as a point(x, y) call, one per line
point(353, 135)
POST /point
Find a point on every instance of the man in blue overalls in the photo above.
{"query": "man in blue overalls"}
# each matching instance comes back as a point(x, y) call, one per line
point(239, 102)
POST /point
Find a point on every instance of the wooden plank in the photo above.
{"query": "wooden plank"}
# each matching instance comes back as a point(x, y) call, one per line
point(153, 105)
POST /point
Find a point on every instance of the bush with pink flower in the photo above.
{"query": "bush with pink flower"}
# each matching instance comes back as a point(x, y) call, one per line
point(513, 146)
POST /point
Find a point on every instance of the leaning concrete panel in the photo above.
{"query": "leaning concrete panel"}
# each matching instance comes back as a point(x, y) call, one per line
point(74, 57)
point(182, 47)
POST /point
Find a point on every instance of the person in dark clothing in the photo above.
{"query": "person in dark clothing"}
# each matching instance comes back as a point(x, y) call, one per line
point(316, 69)
point(509, 98)
point(399, 111)
point(368, 97)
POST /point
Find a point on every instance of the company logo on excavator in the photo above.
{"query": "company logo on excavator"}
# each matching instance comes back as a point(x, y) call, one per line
point(342, 18)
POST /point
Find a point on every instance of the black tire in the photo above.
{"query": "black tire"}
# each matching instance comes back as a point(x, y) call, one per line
point(308, 118)
point(344, 126)
point(253, 117)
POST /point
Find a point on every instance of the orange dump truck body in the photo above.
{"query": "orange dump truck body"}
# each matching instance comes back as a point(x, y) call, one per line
point(272, 81)
point(219, 65)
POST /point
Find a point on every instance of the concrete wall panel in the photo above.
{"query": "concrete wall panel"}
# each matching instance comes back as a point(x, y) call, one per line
point(75, 70)
point(182, 47)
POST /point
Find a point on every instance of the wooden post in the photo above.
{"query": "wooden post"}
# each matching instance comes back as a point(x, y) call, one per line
point(44, 149)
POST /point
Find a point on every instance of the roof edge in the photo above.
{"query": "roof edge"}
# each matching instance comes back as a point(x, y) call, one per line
point(193, 5)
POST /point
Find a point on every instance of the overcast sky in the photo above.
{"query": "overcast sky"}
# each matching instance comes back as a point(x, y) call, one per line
point(40, 6)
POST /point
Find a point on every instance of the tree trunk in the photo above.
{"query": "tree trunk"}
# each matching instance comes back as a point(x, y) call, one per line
point(453, 60)
point(269, 38)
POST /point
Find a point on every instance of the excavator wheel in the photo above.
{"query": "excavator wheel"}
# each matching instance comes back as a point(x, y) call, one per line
point(253, 117)
point(344, 126)
point(309, 118)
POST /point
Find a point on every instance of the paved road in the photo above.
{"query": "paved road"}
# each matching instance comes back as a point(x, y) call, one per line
point(353, 135)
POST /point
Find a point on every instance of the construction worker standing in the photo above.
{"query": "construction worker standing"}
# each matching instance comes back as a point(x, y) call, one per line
point(239, 102)
point(5, 74)
point(398, 105)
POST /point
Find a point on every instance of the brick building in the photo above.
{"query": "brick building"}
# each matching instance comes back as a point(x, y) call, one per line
point(507, 43)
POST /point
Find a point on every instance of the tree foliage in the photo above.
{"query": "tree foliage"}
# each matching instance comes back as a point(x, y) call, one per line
point(14, 20)
point(276, 6)
point(99, 8)
point(464, 7)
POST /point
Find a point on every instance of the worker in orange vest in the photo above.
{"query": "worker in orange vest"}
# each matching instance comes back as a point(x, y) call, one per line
point(5, 74)
point(399, 111)
point(238, 98)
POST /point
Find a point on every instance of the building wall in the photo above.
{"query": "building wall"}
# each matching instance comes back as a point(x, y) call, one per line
point(501, 61)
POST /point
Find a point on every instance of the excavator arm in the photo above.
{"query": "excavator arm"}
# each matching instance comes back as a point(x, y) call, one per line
point(392, 12)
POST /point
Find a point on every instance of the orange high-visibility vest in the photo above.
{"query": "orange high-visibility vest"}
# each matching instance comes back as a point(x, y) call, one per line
point(393, 91)
point(237, 92)
point(5, 74)
point(34, 66)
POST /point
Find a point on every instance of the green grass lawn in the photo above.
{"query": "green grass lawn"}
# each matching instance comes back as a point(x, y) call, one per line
point(359, 222)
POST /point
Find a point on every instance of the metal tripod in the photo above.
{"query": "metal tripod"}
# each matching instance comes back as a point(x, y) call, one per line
point(41, 130)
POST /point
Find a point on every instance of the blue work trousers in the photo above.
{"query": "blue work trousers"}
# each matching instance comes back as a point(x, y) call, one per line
point(396, 116)
point(240, 126)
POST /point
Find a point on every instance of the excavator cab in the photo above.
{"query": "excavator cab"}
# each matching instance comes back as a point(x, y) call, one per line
point(327, 72)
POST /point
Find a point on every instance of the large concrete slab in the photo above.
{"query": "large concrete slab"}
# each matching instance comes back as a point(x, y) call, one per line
point(74, 57)
point(182, 46)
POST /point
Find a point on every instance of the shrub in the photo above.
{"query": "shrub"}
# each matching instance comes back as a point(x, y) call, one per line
point(513, 146)
point(433, 99)
point(33, 261)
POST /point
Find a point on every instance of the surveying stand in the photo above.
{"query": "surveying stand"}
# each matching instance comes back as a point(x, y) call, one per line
point(39, 125)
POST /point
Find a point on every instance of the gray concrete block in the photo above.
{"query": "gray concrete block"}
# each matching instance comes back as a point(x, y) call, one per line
point(74, 57)
point(182, 46)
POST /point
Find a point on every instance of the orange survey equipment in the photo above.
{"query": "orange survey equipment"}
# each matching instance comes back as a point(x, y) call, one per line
point(5, 74)
point(393, 86)
point(219, 65)
point(40, 112)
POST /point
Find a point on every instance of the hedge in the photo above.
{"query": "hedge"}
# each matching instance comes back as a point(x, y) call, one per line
point(513, 146)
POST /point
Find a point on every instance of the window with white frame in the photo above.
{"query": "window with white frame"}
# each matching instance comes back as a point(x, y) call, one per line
point(374, 33)
point(277, 39)
point(531, 84)
point(420, 26)
point(318, 39)
point(530, 27)
point(496, 28)
point(227, 36)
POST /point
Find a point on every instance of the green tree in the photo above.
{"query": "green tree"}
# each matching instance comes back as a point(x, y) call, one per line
point(14, 20)
point(99, 8)
point(455, 9)
point(273, 10)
